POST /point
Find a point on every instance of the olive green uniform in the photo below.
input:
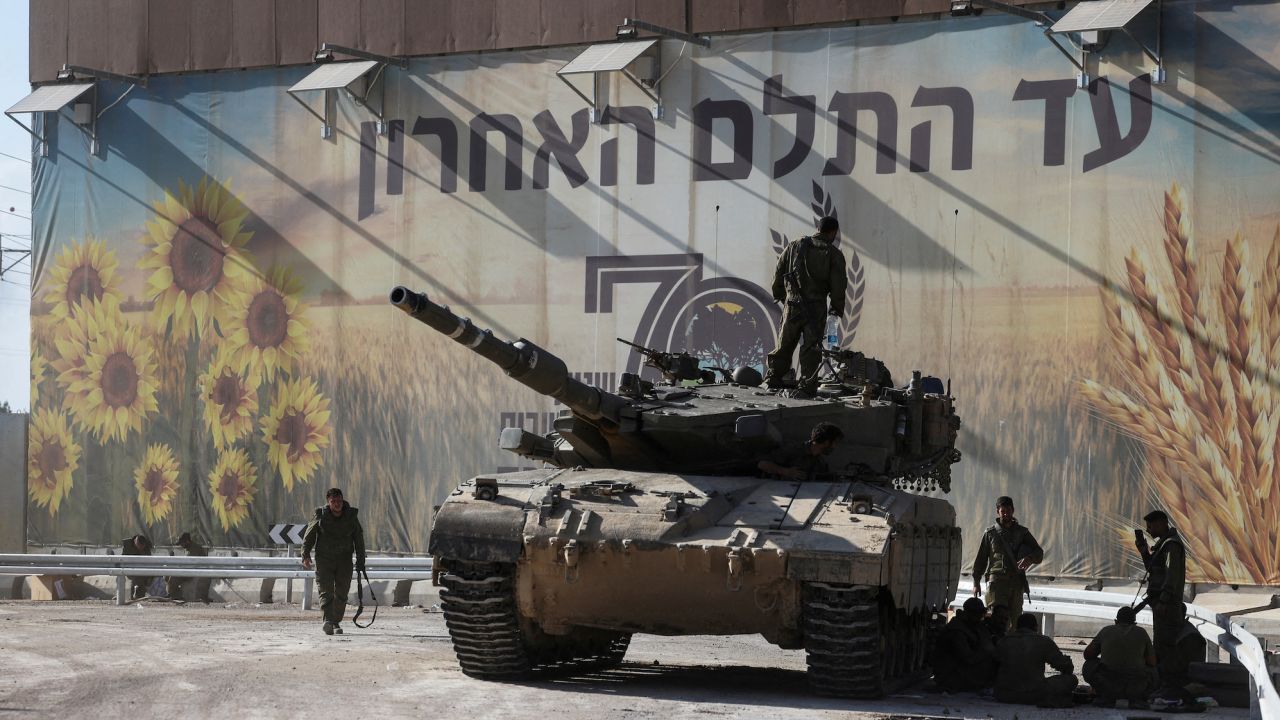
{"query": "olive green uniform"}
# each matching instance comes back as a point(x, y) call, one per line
point(963, 657)
point(809, 271)
point(798, 456)
point(1167, 568)
point(139, 583)
point(1120, 670)
point(1022, 655)
point(177, 584)
point(999, 552)
point(334, 538)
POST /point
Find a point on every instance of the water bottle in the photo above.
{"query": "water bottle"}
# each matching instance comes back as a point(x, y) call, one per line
point(832, 333)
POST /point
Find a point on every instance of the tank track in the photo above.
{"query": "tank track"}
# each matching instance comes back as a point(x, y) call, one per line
point(856, 644)
point(492, 643)
point(479, 607)
point(842, 640)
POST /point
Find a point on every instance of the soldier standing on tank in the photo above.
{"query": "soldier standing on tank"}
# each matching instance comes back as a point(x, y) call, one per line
point(1166, 565)
point(807, 461)
point(335, 534)
point(1005, 552)
point(809, 271)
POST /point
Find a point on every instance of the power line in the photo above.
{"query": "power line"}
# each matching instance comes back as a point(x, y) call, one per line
point(6, 212)
point(10, 187)
point(15, 157)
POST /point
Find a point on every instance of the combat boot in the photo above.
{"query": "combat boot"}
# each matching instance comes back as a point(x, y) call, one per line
point(337, 629)
point(328, 627)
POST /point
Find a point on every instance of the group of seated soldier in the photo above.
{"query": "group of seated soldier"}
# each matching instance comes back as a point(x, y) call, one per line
point(974, 653)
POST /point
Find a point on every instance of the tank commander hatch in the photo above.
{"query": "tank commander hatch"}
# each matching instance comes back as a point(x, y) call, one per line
point(806, 461)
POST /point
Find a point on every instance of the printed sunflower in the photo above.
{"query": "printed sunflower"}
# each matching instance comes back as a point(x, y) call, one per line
point(71, 343)
point(197, 253)
point(230, 404)
point(297, 430)
point(52, 456)
point(118, 390)
point(38, 367)
point(157, 482)
point(82, 272)
point(233, 483)
point(266, 331)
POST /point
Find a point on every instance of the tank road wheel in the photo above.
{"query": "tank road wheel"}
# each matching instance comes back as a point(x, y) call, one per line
point(479, 606)
point(842, 639)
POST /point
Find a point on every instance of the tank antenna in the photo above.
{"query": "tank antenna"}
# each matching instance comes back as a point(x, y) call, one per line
point(951, 331)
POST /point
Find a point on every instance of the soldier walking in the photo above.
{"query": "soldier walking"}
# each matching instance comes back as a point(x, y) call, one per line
point(1005, 552)
point(335, 534)
point(809, 271)
point(1166, 565)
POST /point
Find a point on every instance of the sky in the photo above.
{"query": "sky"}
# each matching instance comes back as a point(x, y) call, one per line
point(15, 185)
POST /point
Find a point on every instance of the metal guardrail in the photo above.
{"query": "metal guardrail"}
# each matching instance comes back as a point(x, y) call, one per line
point(1217, 628)
point(125, 566)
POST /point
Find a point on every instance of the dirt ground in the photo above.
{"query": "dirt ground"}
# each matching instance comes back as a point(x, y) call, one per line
point(159, 660)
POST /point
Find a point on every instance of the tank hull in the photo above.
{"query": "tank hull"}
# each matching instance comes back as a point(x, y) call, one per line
point(625, 552)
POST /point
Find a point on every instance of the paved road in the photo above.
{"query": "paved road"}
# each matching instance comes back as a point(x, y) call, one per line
point(154, 660)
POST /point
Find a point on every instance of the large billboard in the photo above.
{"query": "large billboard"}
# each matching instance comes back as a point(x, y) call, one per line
point(1094, 269)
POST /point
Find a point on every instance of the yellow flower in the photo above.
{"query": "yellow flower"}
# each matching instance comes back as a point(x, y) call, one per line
point(71, 343)
point(297, 429)
point(230, 404)
point(82, 271)
point(51, 458)
point(233, 483)
point(38, 366)
point(117, 387)
point(157, 482)
point(197, 252)
point(266, 332)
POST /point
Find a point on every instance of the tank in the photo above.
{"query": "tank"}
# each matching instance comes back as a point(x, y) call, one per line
point(650, 516)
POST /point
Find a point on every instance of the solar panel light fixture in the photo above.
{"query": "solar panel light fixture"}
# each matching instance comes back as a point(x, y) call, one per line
point(630, 27)
point(358, 77)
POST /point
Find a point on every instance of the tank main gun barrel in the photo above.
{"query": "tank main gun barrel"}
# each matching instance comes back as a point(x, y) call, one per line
point(524, 361)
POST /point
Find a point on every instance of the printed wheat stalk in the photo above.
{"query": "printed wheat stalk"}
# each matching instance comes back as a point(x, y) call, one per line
point(1202, 398)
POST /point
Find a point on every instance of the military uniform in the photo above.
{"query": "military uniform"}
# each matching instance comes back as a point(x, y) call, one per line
point(178, 584)
point(798, 456)
point(1166, 572)
point(334, 539)
point(808, 272)
point(963, 657)
point(139, 584)
point(999, 551)
point(1022, 656)
point(1119, 670)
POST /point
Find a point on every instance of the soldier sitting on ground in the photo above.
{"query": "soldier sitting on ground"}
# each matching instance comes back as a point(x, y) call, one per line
point(1120, 662)
point(177, 584)
point(1022, 656)
point(805, 461)
point(997, 622)
point(137, 545)
point(963, 658)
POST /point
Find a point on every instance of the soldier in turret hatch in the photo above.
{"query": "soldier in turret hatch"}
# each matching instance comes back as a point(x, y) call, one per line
point(809, 271)
point(805, 461)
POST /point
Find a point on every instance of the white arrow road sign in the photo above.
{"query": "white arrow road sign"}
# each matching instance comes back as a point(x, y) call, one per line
point(287, 534)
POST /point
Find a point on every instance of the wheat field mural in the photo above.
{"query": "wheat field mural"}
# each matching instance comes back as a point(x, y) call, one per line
point(1197, 354)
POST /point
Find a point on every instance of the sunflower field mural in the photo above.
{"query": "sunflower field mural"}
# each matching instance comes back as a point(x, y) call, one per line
point(1091, 266)
point(193, 392)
